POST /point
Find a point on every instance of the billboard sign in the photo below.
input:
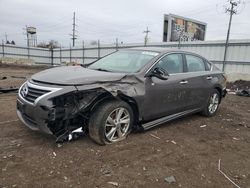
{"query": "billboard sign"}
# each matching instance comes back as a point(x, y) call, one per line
point(177, 28)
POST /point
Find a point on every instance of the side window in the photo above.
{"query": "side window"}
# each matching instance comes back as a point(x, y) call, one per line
point(171, 63)
point(195, 64)
point(208, 65)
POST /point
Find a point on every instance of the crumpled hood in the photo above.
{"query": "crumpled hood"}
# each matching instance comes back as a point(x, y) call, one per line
point(75, 75)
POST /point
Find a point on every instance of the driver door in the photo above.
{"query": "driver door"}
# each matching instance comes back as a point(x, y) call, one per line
point(166, 97)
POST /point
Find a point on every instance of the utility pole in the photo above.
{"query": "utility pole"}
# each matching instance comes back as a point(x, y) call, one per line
point(6, 37)
point(74, 36)
point(116, 44)
point(232, 11)
point(146, 37)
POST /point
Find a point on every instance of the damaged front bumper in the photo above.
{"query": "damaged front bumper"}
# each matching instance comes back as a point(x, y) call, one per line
point(35, 107)
point(58, 110)
point(26, 112)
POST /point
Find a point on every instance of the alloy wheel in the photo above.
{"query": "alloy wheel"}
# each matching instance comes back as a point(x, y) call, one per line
point(213, 103)
point(117, 124)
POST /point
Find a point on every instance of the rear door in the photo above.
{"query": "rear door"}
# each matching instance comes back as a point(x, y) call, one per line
point(198, 77)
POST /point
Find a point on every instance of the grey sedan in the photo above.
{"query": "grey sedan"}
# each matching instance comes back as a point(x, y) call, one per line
point(137, 88)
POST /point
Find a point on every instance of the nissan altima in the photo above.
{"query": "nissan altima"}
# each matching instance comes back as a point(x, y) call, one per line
point(136, 88)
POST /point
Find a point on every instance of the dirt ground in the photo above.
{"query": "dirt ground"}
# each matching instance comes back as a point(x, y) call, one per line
point(188, 149)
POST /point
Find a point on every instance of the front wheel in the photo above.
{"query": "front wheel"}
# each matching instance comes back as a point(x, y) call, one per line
point(111, 122)
point(212, 104)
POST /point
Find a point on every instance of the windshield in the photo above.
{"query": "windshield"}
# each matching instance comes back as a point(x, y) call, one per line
point(123, 61)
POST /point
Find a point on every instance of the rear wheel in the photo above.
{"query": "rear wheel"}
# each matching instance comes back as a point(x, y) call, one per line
point(111, 122)
point(212, 104)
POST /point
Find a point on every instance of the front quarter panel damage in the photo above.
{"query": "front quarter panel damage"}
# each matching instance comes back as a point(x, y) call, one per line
point(74, 109)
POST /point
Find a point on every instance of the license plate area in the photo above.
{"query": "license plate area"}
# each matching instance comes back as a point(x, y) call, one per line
point(20, 106)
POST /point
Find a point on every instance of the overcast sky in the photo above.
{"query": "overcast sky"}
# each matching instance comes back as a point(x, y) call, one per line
point(108, 19)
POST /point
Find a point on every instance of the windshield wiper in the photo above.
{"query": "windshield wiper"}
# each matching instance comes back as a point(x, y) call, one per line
point(101, 69)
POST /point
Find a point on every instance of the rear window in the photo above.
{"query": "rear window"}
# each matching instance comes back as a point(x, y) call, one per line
point(195, 64)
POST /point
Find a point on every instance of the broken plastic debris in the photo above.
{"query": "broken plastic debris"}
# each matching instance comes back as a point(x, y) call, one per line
point(79, 130)
point(236, 138)
point(113, 183)
point(202, 126)
point(154, 136)
point(54, 153)
point(170, 179)
point(173, 142)
point(68, 135)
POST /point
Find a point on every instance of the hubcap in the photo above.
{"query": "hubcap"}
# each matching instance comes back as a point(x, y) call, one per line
point(213, 103)
point(117, 124)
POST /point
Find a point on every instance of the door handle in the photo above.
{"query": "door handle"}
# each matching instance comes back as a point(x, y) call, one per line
point(209, 77)
point(183, 82)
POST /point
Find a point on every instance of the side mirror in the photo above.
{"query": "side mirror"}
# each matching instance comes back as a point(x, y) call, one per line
point(159, 73)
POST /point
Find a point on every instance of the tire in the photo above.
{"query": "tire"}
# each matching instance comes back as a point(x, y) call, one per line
point(213, 103)
point(105, 126)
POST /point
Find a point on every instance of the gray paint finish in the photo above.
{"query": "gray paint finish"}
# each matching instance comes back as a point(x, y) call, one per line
point(152, 98)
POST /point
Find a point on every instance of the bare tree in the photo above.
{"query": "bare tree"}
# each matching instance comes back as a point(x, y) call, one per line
point(93, 42)
point(51, 44)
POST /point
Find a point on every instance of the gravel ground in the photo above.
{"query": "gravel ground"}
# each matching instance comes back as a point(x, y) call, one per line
point(188, 149)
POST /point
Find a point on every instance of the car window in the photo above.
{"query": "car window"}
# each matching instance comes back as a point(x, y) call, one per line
point(171, 63)
point(124, 61)
point(208, 65)
point(195, 63)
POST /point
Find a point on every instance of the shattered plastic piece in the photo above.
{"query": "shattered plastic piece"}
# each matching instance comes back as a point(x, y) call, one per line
point(113, 183)
point(236, 138)
point(54, 153)
point(173, 142)
point(170, 179)
point(202, 126)
point(68, 135)
point(155, 136)
point(79, 130)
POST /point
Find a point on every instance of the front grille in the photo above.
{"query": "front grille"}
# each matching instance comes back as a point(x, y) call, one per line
point(32, 93)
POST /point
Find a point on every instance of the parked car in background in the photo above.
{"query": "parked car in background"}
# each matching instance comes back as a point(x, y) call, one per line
point(131, 88)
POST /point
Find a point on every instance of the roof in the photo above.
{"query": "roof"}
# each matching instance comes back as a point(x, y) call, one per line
point(154, 49)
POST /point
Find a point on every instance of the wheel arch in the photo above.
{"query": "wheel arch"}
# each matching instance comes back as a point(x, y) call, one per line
point(108, 96)
point(219, 89)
